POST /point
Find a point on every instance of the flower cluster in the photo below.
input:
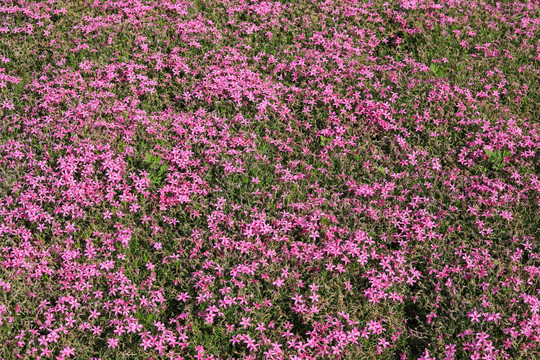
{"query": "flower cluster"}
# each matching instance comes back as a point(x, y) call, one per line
point(231, 179)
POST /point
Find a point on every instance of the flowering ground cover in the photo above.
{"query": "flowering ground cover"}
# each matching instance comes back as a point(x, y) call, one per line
point(235, 179)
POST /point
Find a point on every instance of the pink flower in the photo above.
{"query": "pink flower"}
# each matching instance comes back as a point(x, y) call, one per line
point(507, 215)
point(113, 343)
point(183, 296)
point(46, 352)
point(96, 330)
point(245, 322)
point(68, 351)
point(383, 342)
point(278, 282)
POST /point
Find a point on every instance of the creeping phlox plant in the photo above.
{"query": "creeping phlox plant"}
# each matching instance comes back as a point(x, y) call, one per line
point(245, 179)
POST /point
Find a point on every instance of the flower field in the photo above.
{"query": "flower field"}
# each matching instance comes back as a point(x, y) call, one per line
point(245, 179)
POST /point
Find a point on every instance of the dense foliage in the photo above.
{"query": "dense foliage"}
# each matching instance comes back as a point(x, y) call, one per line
point(236, 179)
